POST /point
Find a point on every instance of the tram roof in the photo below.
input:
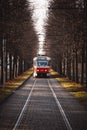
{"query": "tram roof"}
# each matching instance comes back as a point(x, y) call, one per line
point(42, 57)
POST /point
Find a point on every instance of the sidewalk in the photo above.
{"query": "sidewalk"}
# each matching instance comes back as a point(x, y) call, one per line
point(11, 86)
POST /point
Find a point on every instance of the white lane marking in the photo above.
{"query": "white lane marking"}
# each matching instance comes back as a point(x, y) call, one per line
point(24, 108)
point(60, 108)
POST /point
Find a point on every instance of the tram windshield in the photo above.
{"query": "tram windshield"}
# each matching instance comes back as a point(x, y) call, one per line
point(42, 63)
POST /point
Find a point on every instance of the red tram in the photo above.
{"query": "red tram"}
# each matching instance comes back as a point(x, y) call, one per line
point(41, 66)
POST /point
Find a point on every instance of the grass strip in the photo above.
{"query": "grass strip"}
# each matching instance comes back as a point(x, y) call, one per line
point(79, 91)
point(11, 85)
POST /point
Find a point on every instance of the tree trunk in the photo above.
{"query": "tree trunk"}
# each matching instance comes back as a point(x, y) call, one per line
point(6, 68)
point(20, 67)
point(77, 80)
point(68, 65)
point(73, 69)
point(69, 68)
point(59, 64)
point(85, 60)
point(11, 67)
point(15, 67)
point(16, 71)
point(64, 66)
point(3, 56)
point(86, 37)
point(82, 66)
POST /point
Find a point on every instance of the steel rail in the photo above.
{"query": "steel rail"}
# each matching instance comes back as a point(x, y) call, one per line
point(60, 108)
point(24, 108)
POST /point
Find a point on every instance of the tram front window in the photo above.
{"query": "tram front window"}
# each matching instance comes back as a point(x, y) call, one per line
point(42, 63)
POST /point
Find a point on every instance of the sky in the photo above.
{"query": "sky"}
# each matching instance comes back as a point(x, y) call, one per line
point(40, 14)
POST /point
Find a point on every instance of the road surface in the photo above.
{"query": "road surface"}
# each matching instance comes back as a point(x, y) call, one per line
point(42, 104)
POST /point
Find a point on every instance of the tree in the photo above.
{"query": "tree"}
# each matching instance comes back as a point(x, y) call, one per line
point(66, 31)
point(17, 32)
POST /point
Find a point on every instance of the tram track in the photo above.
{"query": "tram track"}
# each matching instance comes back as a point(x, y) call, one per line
point(60, 107)
point(42, 104)
point(24, 108)
point(65, 119)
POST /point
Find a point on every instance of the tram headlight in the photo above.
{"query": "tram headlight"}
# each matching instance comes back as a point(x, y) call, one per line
point(37, 70)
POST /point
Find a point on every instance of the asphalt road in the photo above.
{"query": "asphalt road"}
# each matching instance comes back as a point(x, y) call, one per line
point(42, 104)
